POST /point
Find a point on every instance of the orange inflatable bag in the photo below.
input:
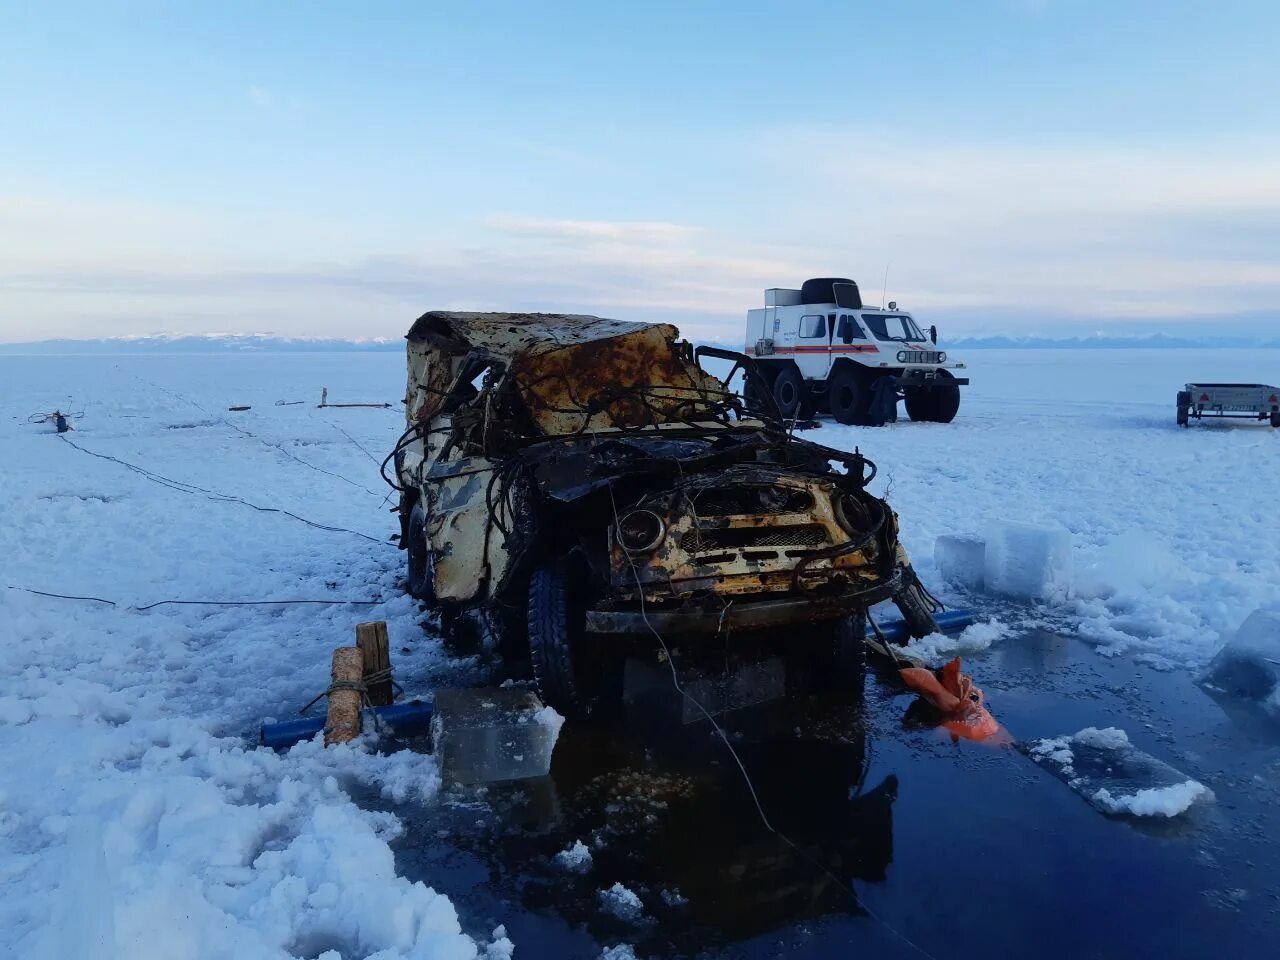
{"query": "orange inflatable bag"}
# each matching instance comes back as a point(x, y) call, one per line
point(954, 695)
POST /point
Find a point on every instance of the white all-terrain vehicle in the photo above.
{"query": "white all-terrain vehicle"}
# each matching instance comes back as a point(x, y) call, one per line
point(821, 349)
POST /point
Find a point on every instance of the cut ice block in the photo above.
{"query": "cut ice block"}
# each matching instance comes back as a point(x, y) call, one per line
point(744, 685)
point(488, 734)
point(1027, 561)
point(960, 559)
point(1116, 777)
point(1249, 664)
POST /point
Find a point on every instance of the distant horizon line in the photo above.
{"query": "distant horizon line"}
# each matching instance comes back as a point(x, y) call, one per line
point(267, 343)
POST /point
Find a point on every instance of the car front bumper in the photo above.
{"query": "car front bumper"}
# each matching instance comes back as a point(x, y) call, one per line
point(713, 615)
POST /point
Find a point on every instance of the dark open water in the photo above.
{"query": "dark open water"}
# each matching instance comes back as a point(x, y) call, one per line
point(901, 834)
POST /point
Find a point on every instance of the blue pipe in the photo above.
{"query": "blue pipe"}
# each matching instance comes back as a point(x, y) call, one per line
point(405, 719)
point(952, 621)
point(414, 717)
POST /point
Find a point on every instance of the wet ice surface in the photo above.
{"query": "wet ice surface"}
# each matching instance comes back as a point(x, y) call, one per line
point(1106, 769)
point(884, 815)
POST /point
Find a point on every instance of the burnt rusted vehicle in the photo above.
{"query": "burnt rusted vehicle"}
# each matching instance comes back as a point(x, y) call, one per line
point(582, 487)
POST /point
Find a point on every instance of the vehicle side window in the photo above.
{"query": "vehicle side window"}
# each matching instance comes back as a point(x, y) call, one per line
point(847, 330)
point(813, 325)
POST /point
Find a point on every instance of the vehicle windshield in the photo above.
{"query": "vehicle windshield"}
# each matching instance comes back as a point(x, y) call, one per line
point(892, 326)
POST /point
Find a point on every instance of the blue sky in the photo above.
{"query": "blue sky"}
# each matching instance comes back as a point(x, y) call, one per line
point(1036, 166)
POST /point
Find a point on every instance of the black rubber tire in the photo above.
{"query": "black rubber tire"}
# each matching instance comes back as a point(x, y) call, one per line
point(755, 393)
point(1184, 408)
point(919, 405)
point(1275, 419)
point(937, 404)
point(421, 577)
point(556, 617)
point(947, 399)
point(849, 395)
point(789, 392)
point(848, 647)
point(822, 290)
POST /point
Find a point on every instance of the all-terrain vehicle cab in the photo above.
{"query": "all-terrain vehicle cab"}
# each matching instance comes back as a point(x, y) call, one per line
point(820, 348)
point(583, 488)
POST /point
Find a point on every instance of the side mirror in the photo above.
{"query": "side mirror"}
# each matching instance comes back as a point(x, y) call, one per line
point(933, 333)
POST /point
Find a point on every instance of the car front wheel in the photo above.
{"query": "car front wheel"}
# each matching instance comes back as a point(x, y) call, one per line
point(848, 647)
point(421, 577)
point(557, 616)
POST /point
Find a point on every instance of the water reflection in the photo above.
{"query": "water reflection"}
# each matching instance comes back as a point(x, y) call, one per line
point(666, 811)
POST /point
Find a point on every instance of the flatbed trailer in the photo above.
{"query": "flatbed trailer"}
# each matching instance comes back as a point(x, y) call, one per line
point(1243, 401)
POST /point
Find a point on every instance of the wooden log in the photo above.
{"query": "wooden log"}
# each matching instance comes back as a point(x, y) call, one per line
point(324, 402)
point(371, 638)
point(343, 722)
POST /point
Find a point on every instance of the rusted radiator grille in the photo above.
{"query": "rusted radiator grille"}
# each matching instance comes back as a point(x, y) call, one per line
point(798, 535)
point(751, 500)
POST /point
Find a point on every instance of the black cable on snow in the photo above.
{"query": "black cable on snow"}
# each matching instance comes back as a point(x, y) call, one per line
point(64, 596)
point(353, 440)
point(200, 603)
point(279, 448)
point(190, 488)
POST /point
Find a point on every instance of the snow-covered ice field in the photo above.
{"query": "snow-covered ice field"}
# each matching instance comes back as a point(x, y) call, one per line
point(138, 821)
point(1176, 535)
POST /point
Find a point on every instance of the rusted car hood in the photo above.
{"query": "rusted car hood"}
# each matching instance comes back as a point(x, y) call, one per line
point(579, 373)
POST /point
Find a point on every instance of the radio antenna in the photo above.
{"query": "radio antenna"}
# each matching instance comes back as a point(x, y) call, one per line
point(885, 289)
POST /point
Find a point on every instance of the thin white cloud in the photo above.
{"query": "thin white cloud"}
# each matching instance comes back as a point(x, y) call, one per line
point(1001, 231)
point(622, 231)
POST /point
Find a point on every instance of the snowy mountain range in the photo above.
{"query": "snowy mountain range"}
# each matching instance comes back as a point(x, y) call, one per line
point(265, 342)
point(206, 343)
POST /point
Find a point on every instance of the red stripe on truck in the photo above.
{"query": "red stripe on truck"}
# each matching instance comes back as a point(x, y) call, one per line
point(868, 348)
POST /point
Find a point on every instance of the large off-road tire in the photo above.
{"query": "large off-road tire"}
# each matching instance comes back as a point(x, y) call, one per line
point(936, 404)
point(849, 394)
point(917, 403)
point(755, 392)
point(421, 577)
point(1275, 419)
point(947, 398)
point(1184, 408)
point(789, 392)
point(556, 615)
